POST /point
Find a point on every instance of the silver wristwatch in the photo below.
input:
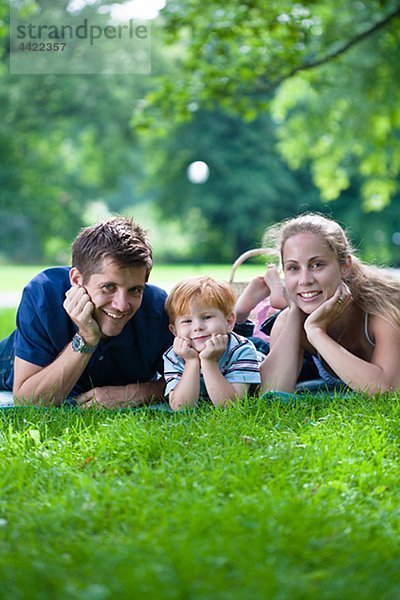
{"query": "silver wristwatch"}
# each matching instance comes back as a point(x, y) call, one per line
point(78, 345)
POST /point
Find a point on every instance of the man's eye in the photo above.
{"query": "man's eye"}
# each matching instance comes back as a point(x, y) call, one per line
point(136, 291)
point(109, 287)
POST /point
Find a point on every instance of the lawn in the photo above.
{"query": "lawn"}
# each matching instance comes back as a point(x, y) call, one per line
point(14, 277)
point(264, 500)
point(7, 321)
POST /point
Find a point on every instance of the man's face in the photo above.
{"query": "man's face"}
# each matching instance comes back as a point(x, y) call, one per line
point(116, 293)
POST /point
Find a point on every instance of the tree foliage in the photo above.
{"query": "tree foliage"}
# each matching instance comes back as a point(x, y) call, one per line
point(239, 81)
point(328, 72)
point(65, 141)
point(249, 184)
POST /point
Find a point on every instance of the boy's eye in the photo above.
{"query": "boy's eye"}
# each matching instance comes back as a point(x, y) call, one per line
point(207, 317)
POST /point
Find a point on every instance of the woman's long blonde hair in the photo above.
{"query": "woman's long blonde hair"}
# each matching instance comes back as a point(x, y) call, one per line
point(374, 289)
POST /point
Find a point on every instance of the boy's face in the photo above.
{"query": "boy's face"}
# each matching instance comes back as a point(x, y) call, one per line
point(201, 323)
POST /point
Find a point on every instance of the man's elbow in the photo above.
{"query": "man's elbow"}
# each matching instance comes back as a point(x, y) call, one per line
point(23, 398)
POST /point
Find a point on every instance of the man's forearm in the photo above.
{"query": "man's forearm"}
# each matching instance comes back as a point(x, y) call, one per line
point(122, 396)
point(144, 393)
point(51, 384)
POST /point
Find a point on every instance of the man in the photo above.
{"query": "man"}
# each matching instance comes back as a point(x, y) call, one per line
point(95, 332)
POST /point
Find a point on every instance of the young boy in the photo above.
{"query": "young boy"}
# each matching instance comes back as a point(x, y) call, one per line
point(207, 360)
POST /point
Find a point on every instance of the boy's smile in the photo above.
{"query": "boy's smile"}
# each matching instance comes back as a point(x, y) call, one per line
point(201, 323)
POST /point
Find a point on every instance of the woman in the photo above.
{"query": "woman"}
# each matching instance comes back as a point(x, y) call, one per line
point(346, 314)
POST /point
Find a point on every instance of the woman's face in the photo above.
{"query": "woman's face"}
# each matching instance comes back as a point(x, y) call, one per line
point(312, 271)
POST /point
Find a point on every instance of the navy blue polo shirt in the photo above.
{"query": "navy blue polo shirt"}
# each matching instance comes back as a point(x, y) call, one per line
point(133, 356)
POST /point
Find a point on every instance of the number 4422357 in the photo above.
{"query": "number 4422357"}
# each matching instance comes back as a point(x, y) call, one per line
point(42, 47)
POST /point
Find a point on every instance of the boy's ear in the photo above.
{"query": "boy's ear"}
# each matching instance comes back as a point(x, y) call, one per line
point(75, 277)
point(172, 328)
point(231, 320)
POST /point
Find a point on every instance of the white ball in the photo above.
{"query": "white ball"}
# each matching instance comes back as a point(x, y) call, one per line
point(198, 172)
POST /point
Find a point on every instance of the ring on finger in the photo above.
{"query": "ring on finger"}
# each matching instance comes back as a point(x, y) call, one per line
point(340, 300)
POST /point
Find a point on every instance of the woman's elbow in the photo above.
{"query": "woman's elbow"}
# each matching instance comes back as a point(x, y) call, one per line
point(382, 387)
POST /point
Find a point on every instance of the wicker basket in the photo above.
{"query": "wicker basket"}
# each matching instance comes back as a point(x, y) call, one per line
point(238, 286)
point(263, 310)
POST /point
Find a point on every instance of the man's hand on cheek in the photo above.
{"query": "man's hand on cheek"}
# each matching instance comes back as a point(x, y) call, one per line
point(79, 307)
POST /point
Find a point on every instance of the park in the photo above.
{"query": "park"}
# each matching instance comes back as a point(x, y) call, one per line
point(251, 113)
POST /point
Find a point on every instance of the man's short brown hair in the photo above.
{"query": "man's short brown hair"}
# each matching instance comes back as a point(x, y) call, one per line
point(205, 290)
point(119, 238)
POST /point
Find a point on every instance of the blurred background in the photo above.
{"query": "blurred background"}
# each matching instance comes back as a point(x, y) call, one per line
point(254, 111)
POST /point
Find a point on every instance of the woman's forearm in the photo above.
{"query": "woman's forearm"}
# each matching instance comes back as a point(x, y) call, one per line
point(280, 369)
point(357, 373)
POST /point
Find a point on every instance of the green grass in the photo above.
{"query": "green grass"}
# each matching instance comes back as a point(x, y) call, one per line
point(7, 321)
point(14, 277)
point(263, 500)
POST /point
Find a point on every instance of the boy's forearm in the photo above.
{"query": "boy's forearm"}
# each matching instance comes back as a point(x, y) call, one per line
point(220, 391)
point(187, 392)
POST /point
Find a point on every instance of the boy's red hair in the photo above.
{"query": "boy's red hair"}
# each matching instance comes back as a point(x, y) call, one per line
point(204, 290)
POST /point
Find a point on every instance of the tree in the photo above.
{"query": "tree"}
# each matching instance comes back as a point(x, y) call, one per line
point(65, 141)
point(248, 187)
point(327, 72)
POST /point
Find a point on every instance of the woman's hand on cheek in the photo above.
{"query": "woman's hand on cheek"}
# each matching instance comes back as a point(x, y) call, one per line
point(330, 310)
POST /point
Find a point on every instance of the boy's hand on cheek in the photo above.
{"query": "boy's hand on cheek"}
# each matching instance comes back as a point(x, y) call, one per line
point(183, 349)
point(215, 347)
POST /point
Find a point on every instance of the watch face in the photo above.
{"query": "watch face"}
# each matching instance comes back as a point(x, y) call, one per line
point(77, 343)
